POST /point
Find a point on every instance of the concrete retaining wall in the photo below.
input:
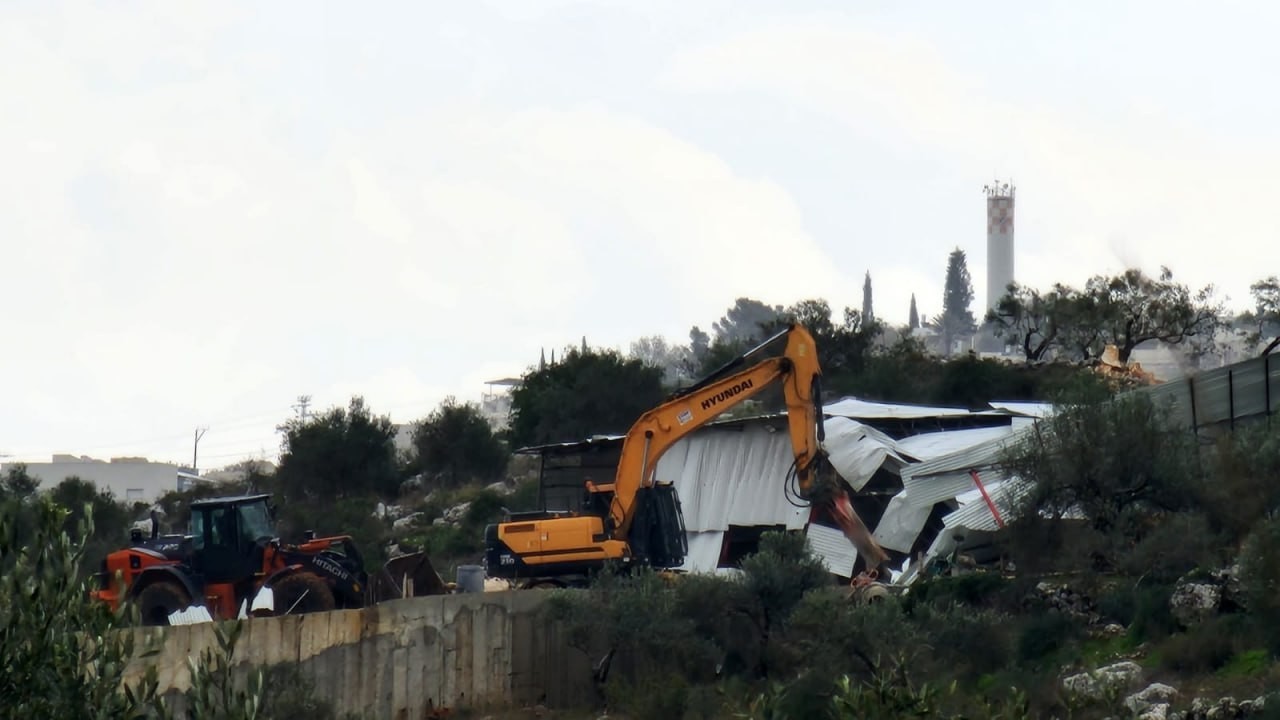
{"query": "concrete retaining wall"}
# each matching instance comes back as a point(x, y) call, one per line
point(403, 658)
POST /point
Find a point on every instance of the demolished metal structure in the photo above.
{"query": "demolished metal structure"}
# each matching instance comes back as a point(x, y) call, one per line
point(730, 477)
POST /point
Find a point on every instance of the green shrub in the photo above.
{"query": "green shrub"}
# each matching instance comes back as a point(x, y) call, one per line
point(883, 700)
point(781, 572)
point(660, 695)
point(737, 625)
point(485, 507)
point(1043, 634)
point(1206, 647)
point(59, 654)
point(525, 497)
point(1175, 546)
point(637, 617)
point(62, 653)
point(723, 612)
point(811, 694)
point(1142, 607)
point(1099, 651)
point(1244, 464)
point(1260, 579)
point(827, 631)
point(1246, 664)
point(1121, 463)
point(1118, 603)
point(352, 516)
point(448, 541)
point(966, 643)
point(975, 589)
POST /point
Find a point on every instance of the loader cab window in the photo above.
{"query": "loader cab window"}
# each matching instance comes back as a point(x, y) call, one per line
point(196, 530)
point(212, 528)
point(255, 522)
point(226, 556)
point(222, 528)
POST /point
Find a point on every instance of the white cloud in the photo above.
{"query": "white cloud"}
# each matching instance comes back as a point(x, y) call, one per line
point(1096, 192)
point(206, 214)
point(183, 255)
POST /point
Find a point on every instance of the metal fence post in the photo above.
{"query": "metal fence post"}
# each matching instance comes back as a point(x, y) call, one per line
point(1191, 393)
point(1231, 399)
point(1266, 384)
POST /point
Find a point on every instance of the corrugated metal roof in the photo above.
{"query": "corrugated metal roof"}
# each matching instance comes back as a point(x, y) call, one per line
point(981, 455)
point(833, 548)
point(1029, 409)
point(976, 514)
point(851, 407)
point(857, 451)
point(595, 440)
point(927, 490)
point(901, 523)
point(732, 478)
point(704, 551)
point(932, 445)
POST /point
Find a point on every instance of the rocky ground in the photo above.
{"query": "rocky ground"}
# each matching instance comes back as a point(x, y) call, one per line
point(1196, 599)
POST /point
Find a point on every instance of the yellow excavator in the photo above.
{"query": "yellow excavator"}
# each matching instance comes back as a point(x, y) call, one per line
point(637, 520)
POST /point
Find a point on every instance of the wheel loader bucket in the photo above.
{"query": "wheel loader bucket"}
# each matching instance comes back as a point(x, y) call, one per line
point(410, 575)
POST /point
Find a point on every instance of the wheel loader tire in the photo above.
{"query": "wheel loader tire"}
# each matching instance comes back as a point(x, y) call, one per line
point(544, 585)
point(304, 592)
point(159, 599)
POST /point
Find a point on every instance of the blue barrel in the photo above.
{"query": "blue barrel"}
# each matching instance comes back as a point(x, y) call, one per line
point(470, 578)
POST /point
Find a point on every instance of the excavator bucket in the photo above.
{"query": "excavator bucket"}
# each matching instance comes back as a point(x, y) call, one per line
point(854, 529)
point(410, 575)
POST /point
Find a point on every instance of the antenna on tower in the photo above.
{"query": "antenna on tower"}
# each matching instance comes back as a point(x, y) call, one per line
point(301, 406)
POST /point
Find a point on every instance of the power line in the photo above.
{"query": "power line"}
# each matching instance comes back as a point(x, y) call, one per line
point(242, 421)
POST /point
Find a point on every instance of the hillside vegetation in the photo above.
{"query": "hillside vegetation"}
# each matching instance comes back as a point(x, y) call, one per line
point(1138, 549)
point(1137, 543)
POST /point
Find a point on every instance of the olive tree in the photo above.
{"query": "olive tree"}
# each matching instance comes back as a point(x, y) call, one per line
point(1029, 318)
point(1134, 308)
point(60, 656)
point(1119, 464)
point(340, 453)
point(456, 444)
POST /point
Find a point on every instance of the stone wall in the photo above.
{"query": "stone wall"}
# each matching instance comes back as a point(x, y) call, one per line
point(404, 658)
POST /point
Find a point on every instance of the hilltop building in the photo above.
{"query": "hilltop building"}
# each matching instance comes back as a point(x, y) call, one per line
point(129, 479)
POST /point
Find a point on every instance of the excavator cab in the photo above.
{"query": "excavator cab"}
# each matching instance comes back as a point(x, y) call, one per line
point(657, 534)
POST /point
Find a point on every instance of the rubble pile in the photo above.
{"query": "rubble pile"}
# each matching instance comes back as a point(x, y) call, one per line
point(1155, 701)
point(1063, 599)
point(454, 515)
point(1199, 596)
point(1221, 709)
point(1104, 682)
point(1151, 703)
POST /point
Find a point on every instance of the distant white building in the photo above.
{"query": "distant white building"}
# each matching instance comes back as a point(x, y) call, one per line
point(129, 479)
point(404, 438)
point(495, 404)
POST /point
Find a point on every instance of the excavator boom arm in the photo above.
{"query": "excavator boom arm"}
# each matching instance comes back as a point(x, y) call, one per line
point(658, 429)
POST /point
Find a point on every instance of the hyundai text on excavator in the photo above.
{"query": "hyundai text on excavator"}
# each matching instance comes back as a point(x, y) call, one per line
point(637, 520)
point(228, 556)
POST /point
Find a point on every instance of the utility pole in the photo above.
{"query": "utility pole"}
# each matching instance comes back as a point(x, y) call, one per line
point(301, 406)
point(195, 450)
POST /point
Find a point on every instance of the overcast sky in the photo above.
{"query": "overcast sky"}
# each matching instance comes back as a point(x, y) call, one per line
point(209, 209)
